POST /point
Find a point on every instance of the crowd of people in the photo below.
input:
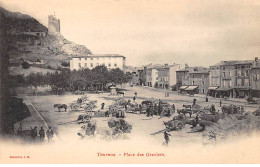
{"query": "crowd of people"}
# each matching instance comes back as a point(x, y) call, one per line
point(34, 134)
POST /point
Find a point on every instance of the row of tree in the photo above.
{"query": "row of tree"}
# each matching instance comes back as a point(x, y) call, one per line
point(85, 79)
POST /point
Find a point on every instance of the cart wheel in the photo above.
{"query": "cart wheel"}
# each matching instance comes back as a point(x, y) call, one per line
point(118, 135)
point(179, 126)
point(86, 118)
point(75, 107)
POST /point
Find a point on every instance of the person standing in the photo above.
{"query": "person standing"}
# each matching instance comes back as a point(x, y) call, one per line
point(34, 133)
point(220, 103)
point(134, 98)
point(207, 100)
point(194, 101)
point(173, 109)
point(135, 94)
point(49, 134)
point(102, 106)
point(42, 134)
point(166, 137)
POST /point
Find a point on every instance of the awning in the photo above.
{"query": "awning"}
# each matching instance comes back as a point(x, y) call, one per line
point(183, 87)
point(213, 88)
point(223, 89)
point(191, 87)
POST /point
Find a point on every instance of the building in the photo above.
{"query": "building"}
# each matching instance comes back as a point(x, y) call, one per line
point(182, 77)
point(193, 79)
point(167, 76)
point(199, 79)
point(255, 78)
point(233, 79)
point(53, 25)
point(151, 77)
point(242, 83)
point(111, 61)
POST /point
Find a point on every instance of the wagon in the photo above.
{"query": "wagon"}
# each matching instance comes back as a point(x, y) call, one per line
point(115, 130)
point(177, 123)
point(84, 105)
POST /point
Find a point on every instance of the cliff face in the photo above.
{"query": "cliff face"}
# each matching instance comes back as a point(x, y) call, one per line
point(26, 38)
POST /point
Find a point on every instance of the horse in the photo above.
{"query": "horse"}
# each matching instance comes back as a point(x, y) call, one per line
point(59, 106)
point(121, 93)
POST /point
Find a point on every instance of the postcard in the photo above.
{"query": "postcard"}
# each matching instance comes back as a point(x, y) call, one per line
point(130, 82)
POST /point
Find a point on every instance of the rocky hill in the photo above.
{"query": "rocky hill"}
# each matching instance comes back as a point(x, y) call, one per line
point(28, 40)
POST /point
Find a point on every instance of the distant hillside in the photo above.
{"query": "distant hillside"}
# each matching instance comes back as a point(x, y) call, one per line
point(28, 40)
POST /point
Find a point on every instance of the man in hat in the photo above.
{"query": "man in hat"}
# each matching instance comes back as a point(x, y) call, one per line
point(49, 134)
point(42, 134)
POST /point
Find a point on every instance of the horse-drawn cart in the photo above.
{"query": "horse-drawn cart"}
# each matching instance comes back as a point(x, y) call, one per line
point(114, 131)
point(83, 104)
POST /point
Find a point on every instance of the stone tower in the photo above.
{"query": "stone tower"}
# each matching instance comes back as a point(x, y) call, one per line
point(54, 25)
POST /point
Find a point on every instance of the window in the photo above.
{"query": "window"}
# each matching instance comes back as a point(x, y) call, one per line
point(85, 64)
point(242, 82)
point(238, 82)
point(224, 68)
point(91, 64)
point(242, 73)
point(247, 82)
point(109, 65)
point(192, 82)
point(203, 83)
point(247, 73)
point(229, 73)
point(79, 59)
point(115, 65)
point(202, 90)
point(79, 65)
point(192, 76)
point(224, 74)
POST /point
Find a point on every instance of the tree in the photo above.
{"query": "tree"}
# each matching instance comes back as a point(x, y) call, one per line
point(25, 65)
point(100, 76)
point(65, 64)
point(117, 76)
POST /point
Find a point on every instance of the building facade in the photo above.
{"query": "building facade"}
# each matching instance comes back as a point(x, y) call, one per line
point(193, 80)
point(255, 78)
point(151, 77)
point(234, 79)
point(167, 75)
point(111, 61)
point(182, 78)
point(200, 79)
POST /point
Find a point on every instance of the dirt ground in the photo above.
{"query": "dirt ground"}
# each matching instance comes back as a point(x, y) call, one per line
point(66, 130)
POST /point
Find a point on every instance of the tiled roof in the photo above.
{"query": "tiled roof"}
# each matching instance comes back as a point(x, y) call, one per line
point(232, 62)
point(99, 55)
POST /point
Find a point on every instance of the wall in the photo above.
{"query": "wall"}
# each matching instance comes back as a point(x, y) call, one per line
point(214, 76)
point(172, 73)
point(93, 61)
point(201, 80)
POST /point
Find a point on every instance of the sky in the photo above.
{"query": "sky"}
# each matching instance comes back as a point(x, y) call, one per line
point(196, 32)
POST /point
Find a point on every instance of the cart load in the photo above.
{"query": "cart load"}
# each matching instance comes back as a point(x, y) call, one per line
point(120, 124)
